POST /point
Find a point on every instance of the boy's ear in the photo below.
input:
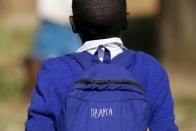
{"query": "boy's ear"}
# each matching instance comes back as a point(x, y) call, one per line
point(126, 23)
point(73, 24)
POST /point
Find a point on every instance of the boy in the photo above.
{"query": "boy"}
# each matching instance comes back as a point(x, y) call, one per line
point(98, 22)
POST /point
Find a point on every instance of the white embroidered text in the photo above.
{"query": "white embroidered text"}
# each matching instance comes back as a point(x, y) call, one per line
point(101, 112)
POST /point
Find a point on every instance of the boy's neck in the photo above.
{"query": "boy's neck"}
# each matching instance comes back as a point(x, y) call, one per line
point(98, 38)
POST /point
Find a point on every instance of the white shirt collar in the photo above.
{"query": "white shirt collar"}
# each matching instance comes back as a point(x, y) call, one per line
point(88, 45)
point(114, 45)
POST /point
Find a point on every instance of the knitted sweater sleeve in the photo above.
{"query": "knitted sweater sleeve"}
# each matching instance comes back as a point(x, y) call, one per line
point(162, 112)
point(155, 80)
point(40, 117)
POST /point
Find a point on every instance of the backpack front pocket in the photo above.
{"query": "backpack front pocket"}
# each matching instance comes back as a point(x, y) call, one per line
point(107, 111)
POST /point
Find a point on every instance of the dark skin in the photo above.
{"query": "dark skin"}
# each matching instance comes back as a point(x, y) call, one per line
point(87, 38)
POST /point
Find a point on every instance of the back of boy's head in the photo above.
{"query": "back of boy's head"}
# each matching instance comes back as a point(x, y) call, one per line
point(99, 19)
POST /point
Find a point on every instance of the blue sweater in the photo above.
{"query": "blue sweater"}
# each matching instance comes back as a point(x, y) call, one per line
point(57, 75)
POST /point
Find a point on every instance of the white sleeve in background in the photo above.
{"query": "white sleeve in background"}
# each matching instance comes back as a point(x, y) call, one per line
point(57, 11)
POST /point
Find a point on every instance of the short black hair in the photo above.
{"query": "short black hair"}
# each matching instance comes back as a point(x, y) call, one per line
point(100, 17)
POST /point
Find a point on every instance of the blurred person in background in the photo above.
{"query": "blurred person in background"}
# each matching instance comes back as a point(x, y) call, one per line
point(54, 36)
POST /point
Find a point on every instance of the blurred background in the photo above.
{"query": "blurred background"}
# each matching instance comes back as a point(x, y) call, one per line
point(164, 28)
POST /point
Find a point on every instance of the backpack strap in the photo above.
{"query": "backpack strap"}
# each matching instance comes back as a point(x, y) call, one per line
point(124, 59)
point(83, 59)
